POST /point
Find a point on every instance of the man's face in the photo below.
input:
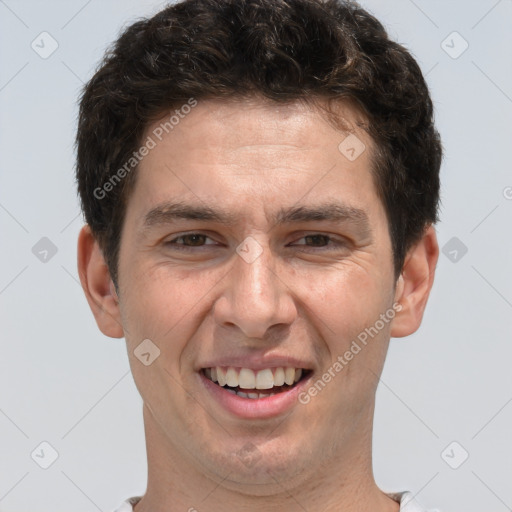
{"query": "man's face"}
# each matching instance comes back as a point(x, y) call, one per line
point(312, 271)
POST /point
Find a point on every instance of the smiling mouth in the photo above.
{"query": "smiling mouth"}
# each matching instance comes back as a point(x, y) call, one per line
point(247, 383)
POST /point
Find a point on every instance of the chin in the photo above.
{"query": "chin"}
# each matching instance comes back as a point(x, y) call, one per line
point(260, 468)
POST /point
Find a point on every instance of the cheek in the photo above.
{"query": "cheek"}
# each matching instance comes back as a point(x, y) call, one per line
point(345, 304)
point(347, 309)
point(167, 306)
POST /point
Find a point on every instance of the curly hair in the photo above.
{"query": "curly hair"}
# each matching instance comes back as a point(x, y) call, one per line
point(283, 51)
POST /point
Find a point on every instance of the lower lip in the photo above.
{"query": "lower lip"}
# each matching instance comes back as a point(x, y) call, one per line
point(254, 408)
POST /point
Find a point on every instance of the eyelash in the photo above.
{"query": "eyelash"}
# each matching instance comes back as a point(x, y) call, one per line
point(185, 247)
point(182, 247)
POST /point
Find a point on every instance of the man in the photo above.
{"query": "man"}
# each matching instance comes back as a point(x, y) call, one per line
point(260, 180)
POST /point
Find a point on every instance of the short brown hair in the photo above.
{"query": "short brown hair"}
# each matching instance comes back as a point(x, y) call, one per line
point(282, 50)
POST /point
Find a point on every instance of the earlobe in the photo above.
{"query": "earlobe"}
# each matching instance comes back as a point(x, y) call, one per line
point(97, 285)
point(414, 284)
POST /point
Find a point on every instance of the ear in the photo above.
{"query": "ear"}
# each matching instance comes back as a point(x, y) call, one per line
point(414, 284)
point(98, 286)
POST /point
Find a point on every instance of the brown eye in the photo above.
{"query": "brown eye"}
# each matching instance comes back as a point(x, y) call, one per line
point(317, 240)
point(193, 240)
point(190, 240)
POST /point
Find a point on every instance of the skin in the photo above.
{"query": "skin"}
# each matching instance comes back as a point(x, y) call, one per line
point(303, 297)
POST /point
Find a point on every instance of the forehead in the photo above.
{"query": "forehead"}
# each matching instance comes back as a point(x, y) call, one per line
point(225, 126)
point(271, 154)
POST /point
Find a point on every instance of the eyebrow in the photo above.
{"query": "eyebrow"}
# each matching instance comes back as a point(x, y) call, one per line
point(334, 212)
point(331, 212)
point(169, 212)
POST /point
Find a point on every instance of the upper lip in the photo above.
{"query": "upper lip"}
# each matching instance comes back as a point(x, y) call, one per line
point(257, 363)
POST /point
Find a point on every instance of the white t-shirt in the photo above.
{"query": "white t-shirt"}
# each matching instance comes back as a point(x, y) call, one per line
point(406, 500)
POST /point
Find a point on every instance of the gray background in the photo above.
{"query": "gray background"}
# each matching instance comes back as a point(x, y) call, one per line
point(63, 382)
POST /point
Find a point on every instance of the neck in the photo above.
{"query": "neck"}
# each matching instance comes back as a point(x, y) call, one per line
point(340, 480)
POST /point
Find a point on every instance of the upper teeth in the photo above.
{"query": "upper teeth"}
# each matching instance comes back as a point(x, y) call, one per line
point(246, 378)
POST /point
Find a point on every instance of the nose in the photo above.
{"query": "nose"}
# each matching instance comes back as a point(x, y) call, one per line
point(255, 298)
